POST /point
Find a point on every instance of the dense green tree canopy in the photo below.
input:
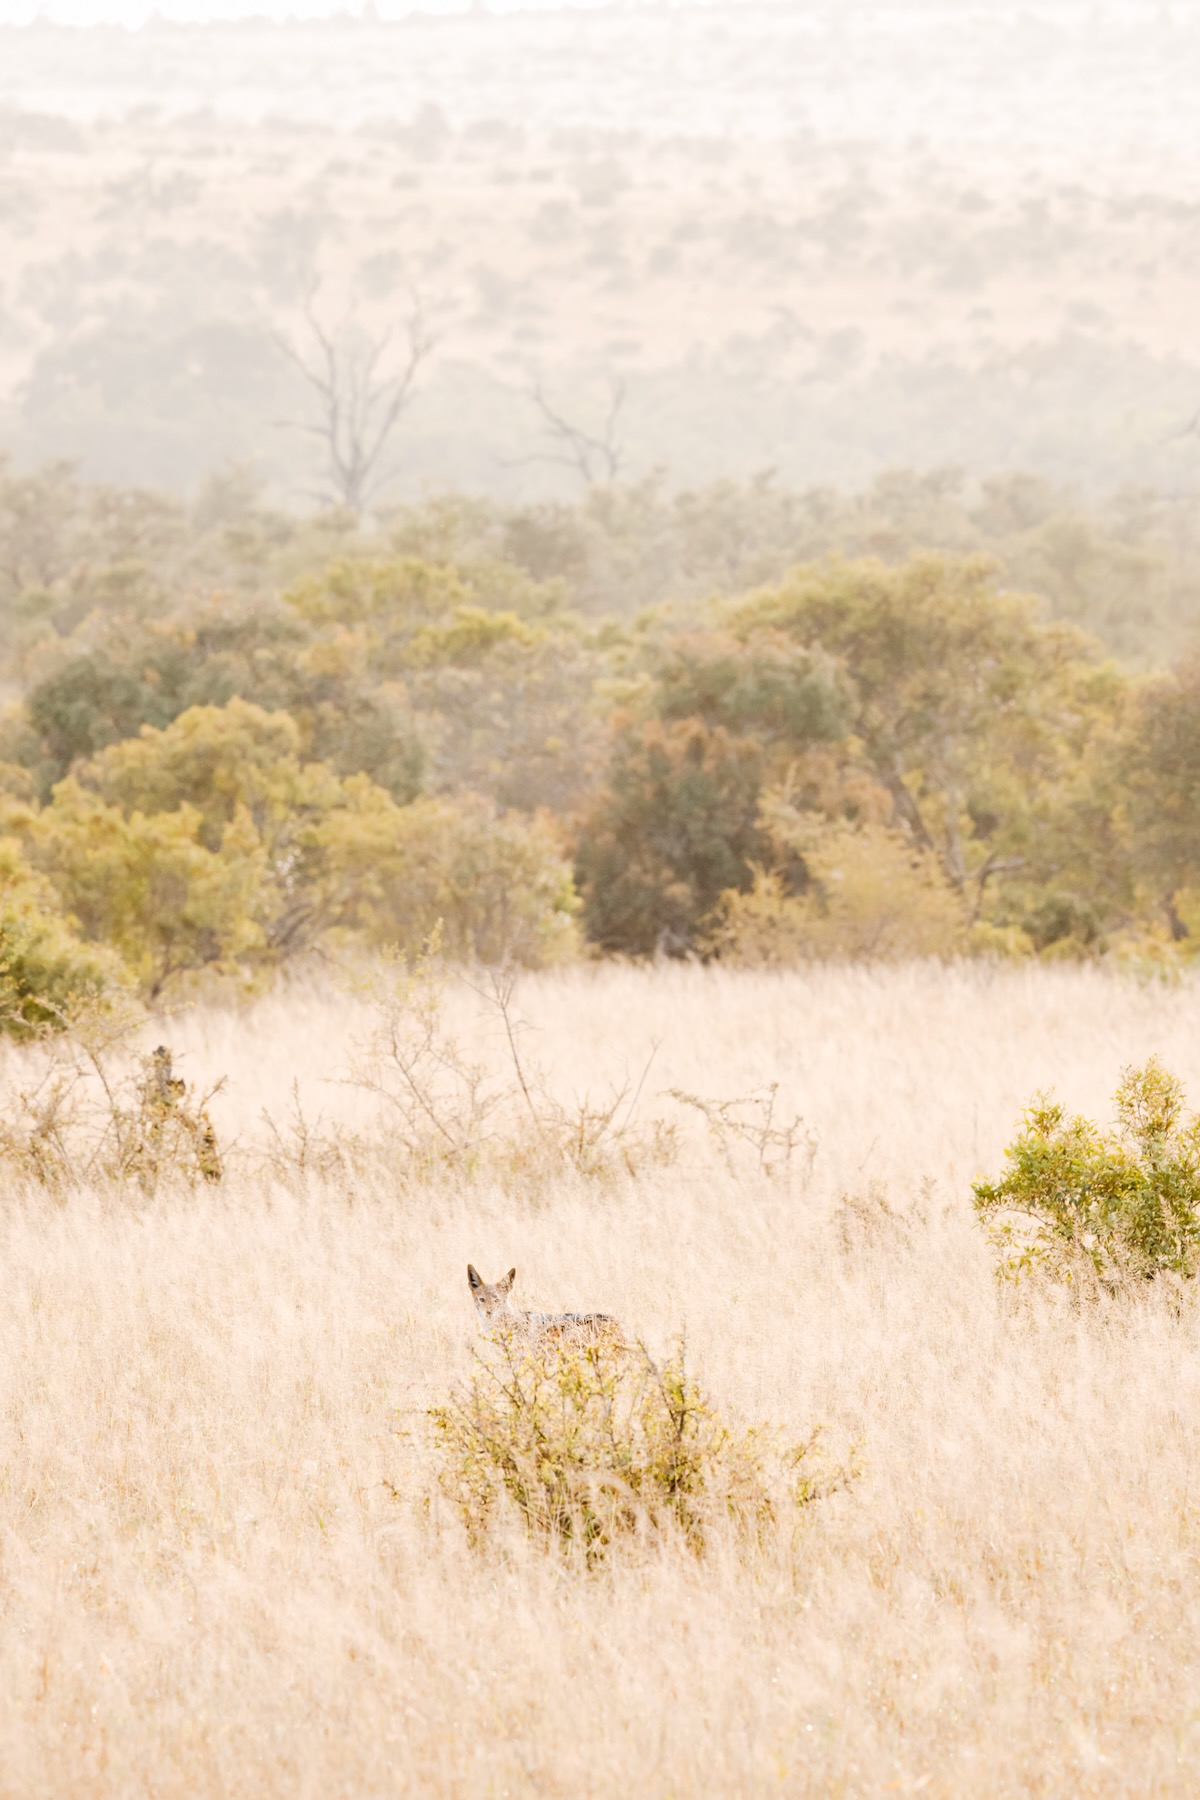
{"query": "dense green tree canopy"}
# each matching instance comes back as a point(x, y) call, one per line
point(754, 723)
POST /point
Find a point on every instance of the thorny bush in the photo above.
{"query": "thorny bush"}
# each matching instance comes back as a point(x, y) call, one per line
point(92, 1111)
point(446, 1108)
point(589, 1444)
point(753, 1124)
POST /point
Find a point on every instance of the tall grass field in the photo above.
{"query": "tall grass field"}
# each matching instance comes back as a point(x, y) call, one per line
point(230, 1559)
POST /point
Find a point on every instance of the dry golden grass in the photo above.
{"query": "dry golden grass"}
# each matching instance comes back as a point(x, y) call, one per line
point(218, 1571)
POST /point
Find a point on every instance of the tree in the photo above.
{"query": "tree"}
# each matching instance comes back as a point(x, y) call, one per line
point(1160, 778)
point(126, 673)
point(494, 679)
point(973, 716)
point(148, 887)
point(494, 886)
point(869, 894)
point(361, 393)
point(389, 595)
point(675, 827)
point(217, 760)
point(212, 842)
point(763, 685)
point(237, 775)
point(45, 968)
point(595, 456)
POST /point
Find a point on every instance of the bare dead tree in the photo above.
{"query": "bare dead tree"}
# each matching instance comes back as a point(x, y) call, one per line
point(594, 456)
point(361, 393)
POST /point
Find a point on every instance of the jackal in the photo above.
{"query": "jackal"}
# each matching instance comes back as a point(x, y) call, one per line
point(495, 1314)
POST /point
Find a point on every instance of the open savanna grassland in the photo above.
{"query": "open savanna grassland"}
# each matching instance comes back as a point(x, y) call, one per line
point(226, 1566)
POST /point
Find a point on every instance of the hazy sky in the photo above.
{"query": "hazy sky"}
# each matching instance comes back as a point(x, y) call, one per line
point(136, 12)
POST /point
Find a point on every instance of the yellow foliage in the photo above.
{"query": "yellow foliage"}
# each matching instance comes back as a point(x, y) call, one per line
point(215, 759)
point(355, 589)
point(1187, 905)
point(471, 635)
point(1007, 941)
point(873, 895)
point(44, 966)
point(497, 884)
point(147, 885)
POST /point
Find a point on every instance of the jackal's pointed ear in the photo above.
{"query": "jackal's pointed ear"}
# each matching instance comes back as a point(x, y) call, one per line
point(505, 1286)
point(473, 1278)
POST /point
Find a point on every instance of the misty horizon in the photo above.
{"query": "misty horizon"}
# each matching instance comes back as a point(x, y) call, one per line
point(825, 240)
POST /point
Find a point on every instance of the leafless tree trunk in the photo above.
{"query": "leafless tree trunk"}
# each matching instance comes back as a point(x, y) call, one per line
point(361, 393)
point(594, 456)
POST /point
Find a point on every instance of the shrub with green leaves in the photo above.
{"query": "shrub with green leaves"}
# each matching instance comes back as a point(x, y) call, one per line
point(587, 1444)
point(1117, 1205)
point(44, 967)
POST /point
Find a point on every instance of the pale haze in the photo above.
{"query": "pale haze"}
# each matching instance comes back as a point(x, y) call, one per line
point(824, 239)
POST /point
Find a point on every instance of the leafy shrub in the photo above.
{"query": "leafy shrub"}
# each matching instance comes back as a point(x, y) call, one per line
point(1063, 924)
point(1114, 1205)
point(872, 894)
point(675, 828)
point(494, 886)
point(591, 1444)
point(43, 965)
point(146, 885)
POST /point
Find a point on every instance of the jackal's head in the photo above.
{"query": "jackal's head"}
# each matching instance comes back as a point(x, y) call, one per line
point(489, 1299)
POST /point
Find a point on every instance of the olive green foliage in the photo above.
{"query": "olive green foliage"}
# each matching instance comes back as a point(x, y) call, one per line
point(588, 1445)
point(739, 722)
point(494, 677)
point(675, 828)
point(147, 885)
point(1161, 789)
point(212, 845)
point(45, 968)
point(497, 889)
point(130, 672)
point(916, 756)
point(1115, 1205)
point(871, 894)
point(764, 685)
point(969, 713)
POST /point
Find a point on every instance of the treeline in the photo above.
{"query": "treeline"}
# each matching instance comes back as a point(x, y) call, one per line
point(742, 723)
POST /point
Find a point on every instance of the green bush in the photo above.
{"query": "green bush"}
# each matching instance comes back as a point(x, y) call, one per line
point(592, 1443)
point(675, 828)
point(1113, 1205)
point(44, 967)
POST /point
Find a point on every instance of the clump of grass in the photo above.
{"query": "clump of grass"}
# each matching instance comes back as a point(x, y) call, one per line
point(589, 1444)
point(1112, 1206)
point(93, 1111)
point(444, 1106)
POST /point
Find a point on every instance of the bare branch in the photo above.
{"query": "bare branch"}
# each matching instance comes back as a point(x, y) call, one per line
point(358, 404)
point(592, 456)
